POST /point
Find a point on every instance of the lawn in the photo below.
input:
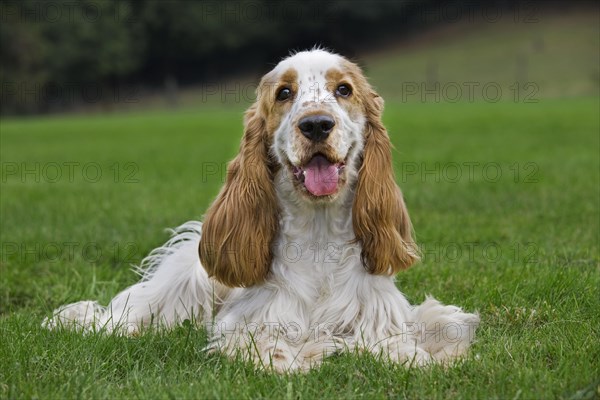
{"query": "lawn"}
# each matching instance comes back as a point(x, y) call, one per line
point(505, 202)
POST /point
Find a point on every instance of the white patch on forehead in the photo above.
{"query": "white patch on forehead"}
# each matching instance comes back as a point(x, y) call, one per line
point(310, 64)
point(311, 67)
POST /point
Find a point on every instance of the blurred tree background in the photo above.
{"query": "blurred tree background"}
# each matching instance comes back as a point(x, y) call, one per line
point(58, 55)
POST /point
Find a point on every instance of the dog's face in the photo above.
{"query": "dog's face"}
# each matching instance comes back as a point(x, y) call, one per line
point(317, 118)
point(317, 123)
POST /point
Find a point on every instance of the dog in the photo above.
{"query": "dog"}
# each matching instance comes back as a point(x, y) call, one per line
point(296, 257)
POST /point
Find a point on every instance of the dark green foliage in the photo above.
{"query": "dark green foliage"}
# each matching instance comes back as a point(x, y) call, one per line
point(95, 45)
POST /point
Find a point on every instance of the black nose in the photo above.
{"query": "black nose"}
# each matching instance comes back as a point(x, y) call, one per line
point(316, 127)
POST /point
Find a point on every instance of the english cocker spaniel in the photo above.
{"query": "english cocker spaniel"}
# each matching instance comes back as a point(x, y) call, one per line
point(297, 255)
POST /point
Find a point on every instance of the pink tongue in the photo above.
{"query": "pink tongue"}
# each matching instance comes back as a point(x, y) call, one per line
point(321, 176)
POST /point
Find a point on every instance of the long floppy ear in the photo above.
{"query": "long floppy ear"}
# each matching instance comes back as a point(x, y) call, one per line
point(379, 215)
point(240, 225)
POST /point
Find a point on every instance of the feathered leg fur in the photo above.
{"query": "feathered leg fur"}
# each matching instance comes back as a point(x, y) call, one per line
point(173, 287)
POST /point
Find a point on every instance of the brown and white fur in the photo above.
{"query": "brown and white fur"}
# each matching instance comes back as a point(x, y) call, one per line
point(297, 255)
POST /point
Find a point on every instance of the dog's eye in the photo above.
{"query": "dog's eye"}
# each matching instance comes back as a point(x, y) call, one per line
point(284, 94)
point(343, 91)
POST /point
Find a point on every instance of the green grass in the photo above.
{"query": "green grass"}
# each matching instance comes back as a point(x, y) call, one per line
point(521, 249)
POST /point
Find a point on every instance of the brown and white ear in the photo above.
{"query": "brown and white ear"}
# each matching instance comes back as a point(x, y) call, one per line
point(235, 247)
point(379, 215)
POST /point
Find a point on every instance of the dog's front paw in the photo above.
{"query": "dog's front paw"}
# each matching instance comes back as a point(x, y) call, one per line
point(281, 358)
point(82, 315)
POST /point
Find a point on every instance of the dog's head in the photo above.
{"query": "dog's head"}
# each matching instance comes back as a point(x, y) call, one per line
point(317, 119)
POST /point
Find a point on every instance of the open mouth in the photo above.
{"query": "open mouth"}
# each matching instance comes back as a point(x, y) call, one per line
point(319, 176)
